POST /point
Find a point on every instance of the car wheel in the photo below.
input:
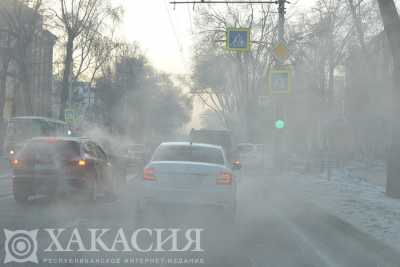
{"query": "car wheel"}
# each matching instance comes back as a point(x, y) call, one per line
point(92, 190)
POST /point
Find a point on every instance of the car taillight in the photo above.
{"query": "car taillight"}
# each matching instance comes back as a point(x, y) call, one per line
point(148, 174)
point(224, 178)
point(79, 163)
point(16, 164)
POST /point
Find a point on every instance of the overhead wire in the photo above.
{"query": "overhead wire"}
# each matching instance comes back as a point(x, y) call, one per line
point(190, 19)
point(175, 32)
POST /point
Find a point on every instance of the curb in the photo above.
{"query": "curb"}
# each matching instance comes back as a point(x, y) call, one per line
point(381, 247)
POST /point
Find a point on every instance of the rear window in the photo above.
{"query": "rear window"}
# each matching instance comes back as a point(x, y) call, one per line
point(189, 153)
point(23, 129)
point(64, 150)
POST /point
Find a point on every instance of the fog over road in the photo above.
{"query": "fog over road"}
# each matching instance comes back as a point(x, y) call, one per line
point(274, 227)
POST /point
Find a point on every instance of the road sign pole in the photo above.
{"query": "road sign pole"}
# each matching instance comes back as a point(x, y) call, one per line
point(280, 109)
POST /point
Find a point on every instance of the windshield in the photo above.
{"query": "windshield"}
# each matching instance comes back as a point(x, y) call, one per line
point(226, 133)
point(189, 153)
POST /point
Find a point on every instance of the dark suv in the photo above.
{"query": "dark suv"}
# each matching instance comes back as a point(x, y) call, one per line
point(55, 165)
point(215, 137)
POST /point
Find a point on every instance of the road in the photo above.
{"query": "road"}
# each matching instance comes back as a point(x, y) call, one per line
point(5, 182)
point(275, 226)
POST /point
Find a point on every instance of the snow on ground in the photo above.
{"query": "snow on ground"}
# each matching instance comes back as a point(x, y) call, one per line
point(356, 197)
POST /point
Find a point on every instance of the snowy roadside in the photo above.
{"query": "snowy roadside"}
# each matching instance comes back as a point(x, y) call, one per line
point(351, 196)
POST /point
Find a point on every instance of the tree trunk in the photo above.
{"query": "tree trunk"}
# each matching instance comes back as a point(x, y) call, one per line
point(26, 89)
point(3, 84)
point(66, 77)
point(3, 81)
point(358, 25)
point(391, 22)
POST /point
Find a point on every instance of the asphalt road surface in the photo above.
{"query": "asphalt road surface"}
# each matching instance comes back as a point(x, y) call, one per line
point(274, 227)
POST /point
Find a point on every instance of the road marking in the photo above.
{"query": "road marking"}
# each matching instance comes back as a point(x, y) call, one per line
point(306, 240)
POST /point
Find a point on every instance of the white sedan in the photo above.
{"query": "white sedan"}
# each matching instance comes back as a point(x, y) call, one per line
point(189, 173)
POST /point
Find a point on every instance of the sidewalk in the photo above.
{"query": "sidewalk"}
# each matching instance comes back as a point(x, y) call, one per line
point(355, 194)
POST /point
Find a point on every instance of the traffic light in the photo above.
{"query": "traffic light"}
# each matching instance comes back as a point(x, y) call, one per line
point(279, 124)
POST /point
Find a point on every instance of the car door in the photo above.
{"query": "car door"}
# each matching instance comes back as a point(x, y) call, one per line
point(90, 153)
point(105, 169)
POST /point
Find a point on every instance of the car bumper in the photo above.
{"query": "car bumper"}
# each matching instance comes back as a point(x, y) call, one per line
point(53, 185)
point(225, 198)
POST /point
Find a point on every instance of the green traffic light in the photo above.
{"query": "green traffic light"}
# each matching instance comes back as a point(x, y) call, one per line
point(279, 124)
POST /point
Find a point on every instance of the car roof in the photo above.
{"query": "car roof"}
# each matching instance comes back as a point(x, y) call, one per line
point(211, 130)
point(190, 144)
point(61, 138)
point(37, 118)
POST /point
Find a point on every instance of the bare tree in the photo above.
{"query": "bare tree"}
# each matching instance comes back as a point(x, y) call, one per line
point(96, 46)
point(5, 67)
point(230, 82)
point(80, 21)
point(24, 21)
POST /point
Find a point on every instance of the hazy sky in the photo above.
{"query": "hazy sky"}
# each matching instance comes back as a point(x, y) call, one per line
point(164, 33)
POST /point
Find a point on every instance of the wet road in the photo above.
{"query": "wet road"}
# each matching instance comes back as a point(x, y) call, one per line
point(274, 227)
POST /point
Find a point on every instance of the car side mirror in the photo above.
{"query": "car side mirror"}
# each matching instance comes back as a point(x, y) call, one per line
point(236, 165)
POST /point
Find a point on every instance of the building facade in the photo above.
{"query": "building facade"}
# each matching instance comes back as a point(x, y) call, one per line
point(38, 62)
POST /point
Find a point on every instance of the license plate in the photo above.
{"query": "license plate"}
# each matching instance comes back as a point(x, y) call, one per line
point(191, 180)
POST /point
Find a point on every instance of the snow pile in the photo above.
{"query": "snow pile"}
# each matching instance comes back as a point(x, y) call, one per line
point(350, 195)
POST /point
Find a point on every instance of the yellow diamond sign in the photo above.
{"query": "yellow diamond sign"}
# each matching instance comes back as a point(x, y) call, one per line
point(281, 52)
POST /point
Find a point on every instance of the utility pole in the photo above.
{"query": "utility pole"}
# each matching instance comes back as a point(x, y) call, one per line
point(281, 26)
point(279, 105)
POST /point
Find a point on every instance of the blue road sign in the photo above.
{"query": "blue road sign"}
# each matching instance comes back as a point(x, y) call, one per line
point(238, 39)
point(280, 81)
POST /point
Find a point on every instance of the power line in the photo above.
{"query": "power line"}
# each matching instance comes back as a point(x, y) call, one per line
point(190, 18)
point(180, 47)
point(223, 2)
